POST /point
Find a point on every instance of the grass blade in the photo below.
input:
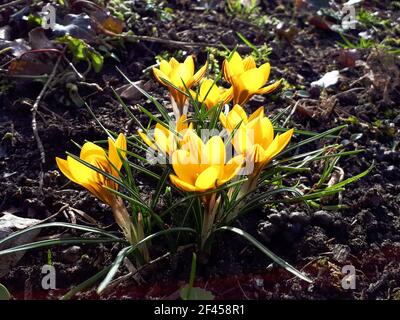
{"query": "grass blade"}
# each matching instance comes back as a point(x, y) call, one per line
point(267, 252)
point(57, 241)
point(127, 250)
point(60, 224)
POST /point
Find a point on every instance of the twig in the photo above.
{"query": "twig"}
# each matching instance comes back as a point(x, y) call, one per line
point(10, 4)
point(34, 122)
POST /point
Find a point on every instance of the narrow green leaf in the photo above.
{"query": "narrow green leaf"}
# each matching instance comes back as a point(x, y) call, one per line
point(4, 294)
point(128, 250)
point(57, 241)
point(267, 252)
point(62, 225)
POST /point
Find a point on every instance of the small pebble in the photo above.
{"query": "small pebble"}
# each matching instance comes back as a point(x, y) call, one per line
point(266, 228)
point(323, 217)
point(275, 218)
point(300, 217)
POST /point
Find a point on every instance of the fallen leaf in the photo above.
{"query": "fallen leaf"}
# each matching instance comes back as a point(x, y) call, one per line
point(10, 223)
point(348, 58)
point(17, 47)
point(320, 23)
point(30, 64)
point(38, 40)
point(130, 92)
point(288, 33)
point(76, 25)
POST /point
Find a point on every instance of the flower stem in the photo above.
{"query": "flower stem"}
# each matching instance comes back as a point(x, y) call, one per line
point(210, 209)
point(133, 233)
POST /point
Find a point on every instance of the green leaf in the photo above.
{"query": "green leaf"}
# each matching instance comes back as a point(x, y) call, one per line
point(128, 250)
point(4, 294)
point(60, 224)
point(311, 139)
point(160, 187)
point(56, 241)
point(267, 252)
point(97, 61)
point(82, 51)
point(87, 283)
point(352, 179)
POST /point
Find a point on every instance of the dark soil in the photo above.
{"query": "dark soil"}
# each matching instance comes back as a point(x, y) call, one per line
point(366, 235)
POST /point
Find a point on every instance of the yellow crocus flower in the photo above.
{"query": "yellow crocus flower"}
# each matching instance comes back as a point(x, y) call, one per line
point(210, 94)
point(200, 167)
point(165, 140)
point(246, 79)
point(96, 156)
point(181, 75)
point(254, 137)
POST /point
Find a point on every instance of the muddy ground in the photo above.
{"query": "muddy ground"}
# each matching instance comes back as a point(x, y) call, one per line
point(366, 235)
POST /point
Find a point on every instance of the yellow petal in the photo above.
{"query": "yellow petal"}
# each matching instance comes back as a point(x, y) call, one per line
point(208, 178)
point(279, 143)
point(235, 65)
point(181, 124)
point(99, 192)
point(222, 119)
point(231, 169)
point(161, 139)
point(183, 166)
point(174, 63)
point(160, 76)
point(215, 151)
point(241, 141)
point(178, 97)
point(265, 70)
point(258, 113)
point(198, 75)
point(80, 172)
point(181, 76)
point(162, 128)
point(270, 88)
point(256, 154)
point(120, 143)
point(117, 150)
point(227, 95)
point(63, 166)
point(165, 67)
point(261, 131)
point(181, 184)
point(91, 151)
point(209, 92)
point(195, 146)
point(249, 63)
point(251, 80)
point(235, 116)
point(241, 95)
point(146, 139)
point(189, 65)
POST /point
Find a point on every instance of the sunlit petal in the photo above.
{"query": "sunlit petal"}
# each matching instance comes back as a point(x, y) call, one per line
point(182, 184)
point(208, 178)
point(215, 151)
point(231, 169)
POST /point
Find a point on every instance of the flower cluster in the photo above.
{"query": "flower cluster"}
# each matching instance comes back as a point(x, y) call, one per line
point(200, 166)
